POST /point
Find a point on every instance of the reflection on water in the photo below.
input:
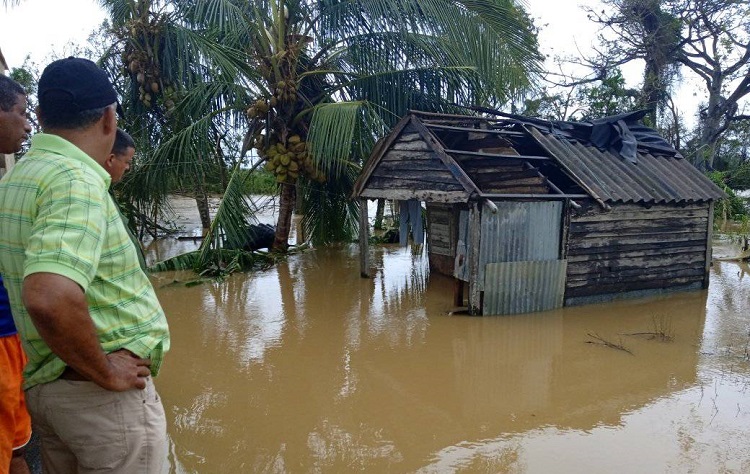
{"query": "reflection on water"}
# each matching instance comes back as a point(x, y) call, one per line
point(309, 368)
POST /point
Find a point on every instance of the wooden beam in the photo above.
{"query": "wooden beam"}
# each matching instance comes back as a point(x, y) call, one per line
point(475, 228)
point(420, 195)
point(495, 155)
point(448, 160)
point(440, 115)
point(491, 205)
point(529, 166)
point(534, 196)
point(364, 240)
point(709, 246)
point(475, 130)
point(565, 231)
point(458, 292)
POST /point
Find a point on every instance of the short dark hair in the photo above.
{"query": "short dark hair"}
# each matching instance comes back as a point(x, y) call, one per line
point(9, 92)
point(123, 141)
point(69, 120)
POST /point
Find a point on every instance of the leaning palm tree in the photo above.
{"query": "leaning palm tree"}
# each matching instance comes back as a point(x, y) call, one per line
point(314, 83)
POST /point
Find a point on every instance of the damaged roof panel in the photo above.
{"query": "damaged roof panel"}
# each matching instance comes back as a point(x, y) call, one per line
point(450, 158)
point(652, 179)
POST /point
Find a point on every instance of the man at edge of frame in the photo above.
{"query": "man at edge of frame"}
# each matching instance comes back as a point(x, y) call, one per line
point(87, 315)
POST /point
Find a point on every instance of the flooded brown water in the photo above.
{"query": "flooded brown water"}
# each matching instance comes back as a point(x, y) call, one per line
point(309, 368)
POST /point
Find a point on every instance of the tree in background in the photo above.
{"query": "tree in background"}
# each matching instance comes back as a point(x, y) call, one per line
point(584, 100)
point(313, 83)
point(645, 30)
point(716, 47)
point(609, 97)
point(710, 38)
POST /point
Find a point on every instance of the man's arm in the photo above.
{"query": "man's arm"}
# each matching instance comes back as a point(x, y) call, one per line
point(59, 311)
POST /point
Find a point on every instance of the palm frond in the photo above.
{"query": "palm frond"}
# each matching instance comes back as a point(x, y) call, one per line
point(231, 261)
point(493, 38)
point(337, 131)
point(185, 261)
point(328, 213)
point(230, 225)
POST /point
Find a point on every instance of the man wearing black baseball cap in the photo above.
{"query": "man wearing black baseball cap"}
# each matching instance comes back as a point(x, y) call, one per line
point(90, 323)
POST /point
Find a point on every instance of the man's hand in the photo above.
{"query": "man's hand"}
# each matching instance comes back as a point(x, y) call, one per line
point(126, 371)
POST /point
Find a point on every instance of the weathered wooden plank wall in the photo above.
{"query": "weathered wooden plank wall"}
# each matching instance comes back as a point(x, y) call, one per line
point(410, 164)
point(497, 175)
point(442, 230)
point(631, 248)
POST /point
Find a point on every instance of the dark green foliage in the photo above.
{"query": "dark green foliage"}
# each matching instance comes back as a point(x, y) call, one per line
point(258, 181)
point(609, 97)
point(733, 207)
point(328, 213)
point(738, 177)
point(222, 264)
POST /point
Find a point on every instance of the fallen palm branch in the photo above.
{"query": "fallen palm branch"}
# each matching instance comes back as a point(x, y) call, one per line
point(601, 341)
point(224, 262)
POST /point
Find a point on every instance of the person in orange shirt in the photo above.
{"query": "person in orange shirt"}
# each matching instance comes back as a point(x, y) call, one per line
point(15, 424)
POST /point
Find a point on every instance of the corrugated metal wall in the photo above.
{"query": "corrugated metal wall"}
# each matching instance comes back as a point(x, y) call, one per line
point(524, 287)
point(521, 231)
point(519, 266)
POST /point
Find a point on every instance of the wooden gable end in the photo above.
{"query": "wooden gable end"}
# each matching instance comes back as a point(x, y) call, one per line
point(411, 169)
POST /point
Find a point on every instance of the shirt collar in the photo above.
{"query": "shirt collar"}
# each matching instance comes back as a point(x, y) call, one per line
point(60, 146)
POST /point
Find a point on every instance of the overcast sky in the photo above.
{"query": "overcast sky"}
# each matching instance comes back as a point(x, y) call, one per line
point(38, 27)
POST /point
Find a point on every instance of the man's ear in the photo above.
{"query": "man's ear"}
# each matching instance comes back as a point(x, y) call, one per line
point(107, 164)
point(109, 120)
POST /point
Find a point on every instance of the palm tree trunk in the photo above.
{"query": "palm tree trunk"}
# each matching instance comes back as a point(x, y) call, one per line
point(201, 201)
point(287, 202)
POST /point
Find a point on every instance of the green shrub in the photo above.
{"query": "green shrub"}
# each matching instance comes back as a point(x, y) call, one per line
point(259, 181)
point(732, 207)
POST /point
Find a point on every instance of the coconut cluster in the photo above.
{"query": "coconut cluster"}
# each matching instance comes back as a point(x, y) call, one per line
point(286, 91)
point(288, 160)
point(148, 76)
point(259, 109)
point(140, 59)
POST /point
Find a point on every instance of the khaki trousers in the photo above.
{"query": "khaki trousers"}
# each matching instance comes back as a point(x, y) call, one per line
point(84, 428)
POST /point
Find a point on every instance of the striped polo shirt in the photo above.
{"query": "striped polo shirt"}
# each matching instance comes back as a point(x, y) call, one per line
point(56, 216)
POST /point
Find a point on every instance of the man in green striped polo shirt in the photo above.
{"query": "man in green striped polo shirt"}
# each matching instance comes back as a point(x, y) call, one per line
point(89, 320)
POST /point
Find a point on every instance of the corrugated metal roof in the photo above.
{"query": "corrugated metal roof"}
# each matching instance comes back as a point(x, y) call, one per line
point(659, 174)
point(653, 179)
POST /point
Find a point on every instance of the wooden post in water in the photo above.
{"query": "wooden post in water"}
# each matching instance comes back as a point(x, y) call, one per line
point(364, 240)
point(475, 227)
point(709, 248)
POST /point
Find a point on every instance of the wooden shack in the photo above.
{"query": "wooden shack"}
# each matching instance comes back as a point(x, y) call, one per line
point(530, 215)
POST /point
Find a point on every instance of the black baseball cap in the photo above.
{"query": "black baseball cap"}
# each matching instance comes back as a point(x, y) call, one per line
point(73, 85)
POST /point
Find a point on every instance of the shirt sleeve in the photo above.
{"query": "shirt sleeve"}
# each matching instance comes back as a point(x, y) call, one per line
point(66, 235)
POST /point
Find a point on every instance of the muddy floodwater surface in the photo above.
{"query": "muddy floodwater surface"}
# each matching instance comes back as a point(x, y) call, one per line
point(307, 367)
